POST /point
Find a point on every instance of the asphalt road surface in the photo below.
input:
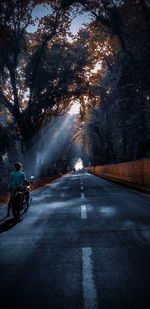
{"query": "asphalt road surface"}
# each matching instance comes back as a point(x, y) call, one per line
point(83, 244)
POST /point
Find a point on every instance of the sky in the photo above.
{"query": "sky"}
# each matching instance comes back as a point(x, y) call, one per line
point(42, 10)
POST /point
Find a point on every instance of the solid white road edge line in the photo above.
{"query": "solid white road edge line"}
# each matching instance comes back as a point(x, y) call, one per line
point(89, 289)
point(83, 212)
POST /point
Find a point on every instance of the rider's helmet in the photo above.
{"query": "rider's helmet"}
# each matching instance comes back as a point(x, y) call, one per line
point(18, 166)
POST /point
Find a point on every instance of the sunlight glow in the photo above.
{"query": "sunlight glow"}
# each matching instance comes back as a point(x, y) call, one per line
point(97, 67)
point(79, 165)
point(75, 109)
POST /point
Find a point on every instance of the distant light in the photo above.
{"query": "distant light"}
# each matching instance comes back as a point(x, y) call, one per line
point(79, 165)
point(108, 90)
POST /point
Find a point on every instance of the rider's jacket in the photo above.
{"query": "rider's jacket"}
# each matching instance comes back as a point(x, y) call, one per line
point(16, 179)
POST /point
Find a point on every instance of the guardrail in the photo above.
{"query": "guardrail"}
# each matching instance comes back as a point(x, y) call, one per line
point(136, 172)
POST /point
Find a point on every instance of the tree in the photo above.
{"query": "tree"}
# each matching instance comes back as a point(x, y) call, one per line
point(41, 72)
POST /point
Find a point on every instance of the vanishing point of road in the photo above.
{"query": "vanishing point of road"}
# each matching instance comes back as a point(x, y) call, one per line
point(83, 244)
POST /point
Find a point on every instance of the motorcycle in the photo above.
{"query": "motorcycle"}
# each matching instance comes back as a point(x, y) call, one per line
point(21, 199)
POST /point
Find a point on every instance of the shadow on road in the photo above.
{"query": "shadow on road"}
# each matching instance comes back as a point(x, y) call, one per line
point(7, 225)
point(3, 218)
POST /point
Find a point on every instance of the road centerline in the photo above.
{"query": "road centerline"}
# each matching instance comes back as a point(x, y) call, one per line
point(83, 212)
point(89, 289)
point(82, 195)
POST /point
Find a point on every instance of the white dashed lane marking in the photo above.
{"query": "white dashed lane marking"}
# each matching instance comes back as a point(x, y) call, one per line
point(82, 195)
point(83, 212)
point(89, 289)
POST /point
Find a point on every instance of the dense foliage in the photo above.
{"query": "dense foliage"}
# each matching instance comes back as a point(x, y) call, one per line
point(118, 128)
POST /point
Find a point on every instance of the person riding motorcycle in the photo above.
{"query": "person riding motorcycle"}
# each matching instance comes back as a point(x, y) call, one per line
point(17, 179)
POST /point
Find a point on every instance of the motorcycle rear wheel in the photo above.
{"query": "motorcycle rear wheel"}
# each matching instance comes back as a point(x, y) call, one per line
point(16, 205)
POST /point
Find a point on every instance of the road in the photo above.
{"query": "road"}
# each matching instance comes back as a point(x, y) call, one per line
point(83, 244)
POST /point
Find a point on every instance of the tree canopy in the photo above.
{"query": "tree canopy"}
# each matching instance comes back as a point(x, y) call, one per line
point(105, 66)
